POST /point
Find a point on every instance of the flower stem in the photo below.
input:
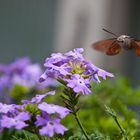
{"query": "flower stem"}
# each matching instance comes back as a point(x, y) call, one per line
point(36, 132)
point(80, 125)
point(70, 98)
point(114, 116)
point(120, 127)
point(39, 137)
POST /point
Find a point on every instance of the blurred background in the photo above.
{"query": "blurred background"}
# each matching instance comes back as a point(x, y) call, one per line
point(37, 28)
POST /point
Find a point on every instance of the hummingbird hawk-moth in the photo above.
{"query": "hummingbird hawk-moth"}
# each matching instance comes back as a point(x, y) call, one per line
point(114, 45)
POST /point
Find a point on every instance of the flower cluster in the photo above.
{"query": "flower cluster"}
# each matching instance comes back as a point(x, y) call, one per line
point(22, 73)
point(34, 115)
point(11, 116)
point(73, 70)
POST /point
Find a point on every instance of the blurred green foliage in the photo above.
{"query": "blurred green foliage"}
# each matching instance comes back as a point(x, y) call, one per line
point(122, 98)
point(117, 94)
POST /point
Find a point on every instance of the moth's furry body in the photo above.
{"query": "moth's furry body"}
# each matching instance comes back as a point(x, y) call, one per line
point(125, 41)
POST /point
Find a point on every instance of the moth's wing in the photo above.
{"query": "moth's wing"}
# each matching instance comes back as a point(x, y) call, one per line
point(114, 49)
point(136, 45)
point(103, 45)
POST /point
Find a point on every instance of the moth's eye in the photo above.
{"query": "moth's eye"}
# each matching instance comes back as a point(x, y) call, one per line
point(121, 40)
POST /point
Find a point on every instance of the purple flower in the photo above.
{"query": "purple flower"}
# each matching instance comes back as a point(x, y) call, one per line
point(3, 68)
point(43, 77)
point(19, 65)
point(38, 98)
point(55, 72)
point(49, 126)
point(4, 108)
point(46, 83)
point(104, 74)
point(96, 72)
point(21, 72)
point(54, 109)
point(42, 120)
point(17, 122)
point(61, 70)
point(53, 127)
point(79, 84)
point(49, 119)
point(34, 114)
point(28, 77)
point(5, 83)
point(57, 59)
point(74, 70)
point(76, 53)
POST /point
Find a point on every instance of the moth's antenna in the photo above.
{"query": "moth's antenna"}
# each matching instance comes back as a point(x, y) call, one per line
point(109, 32)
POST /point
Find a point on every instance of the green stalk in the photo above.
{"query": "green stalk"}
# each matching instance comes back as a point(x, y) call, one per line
point(114, 116)
point(71, 99)
point(39, 137)
point(120, 127)
point(36, 132)
point(80, 125)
